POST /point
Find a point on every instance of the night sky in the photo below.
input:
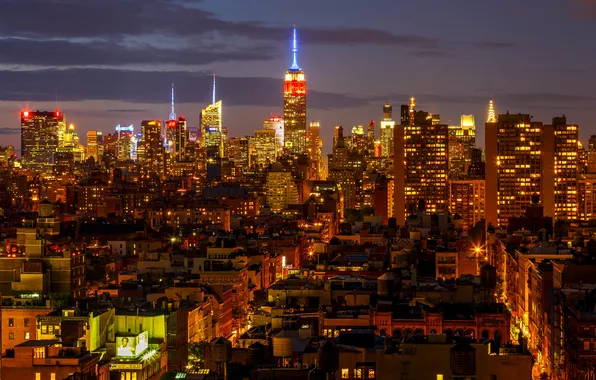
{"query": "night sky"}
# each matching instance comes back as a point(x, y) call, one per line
point(113, 61)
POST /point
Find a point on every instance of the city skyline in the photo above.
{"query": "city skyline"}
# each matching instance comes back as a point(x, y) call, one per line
point(353, 66)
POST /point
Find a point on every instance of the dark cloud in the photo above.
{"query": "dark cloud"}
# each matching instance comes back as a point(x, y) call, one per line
point(115, 19)
point(10, 131)
point(153, 87)
point(67, 53)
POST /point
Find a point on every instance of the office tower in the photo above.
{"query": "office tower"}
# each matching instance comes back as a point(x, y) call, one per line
point(281, 188)
point(425, 167)
point(39, 139)
point(295, 105)
point(93, 145)
point(239, 154)
point(315, 149)
point(462, 138)
point(370, 139)
point(345, 168)
point(491, 130)
point(276, 123)
point(125, 142)
point(387, 132)
point(177, 139)
point(477, 165)
point(212, 139)
point(152, 161)
point(377, 148)
point(358, 140)
point(566, 168)
point(336, 133)
point(467, 198)
point(264, 147)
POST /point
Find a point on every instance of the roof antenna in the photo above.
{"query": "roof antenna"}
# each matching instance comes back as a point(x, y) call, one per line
point(213, 100)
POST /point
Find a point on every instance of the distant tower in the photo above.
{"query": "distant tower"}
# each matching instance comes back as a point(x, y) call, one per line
point(172, 113)
point(295, 105)
point(491, 117)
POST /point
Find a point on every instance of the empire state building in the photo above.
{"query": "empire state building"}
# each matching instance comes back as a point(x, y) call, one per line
point(295, 105)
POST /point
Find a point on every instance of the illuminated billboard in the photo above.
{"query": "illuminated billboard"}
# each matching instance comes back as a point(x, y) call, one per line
point(132, 345)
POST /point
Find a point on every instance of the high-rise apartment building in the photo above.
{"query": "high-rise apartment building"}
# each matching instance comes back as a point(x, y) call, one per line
point(513, 157)
point(276, 123)
point(40, 138)
point(592, 154)
point(587, 197)
point(295, 105)
point(387, 132)
point(566, 168)
point(281, 188)
point(211, 127)
point(467, 198)
point(153, 161)
point(525, 159)
point(423, 144)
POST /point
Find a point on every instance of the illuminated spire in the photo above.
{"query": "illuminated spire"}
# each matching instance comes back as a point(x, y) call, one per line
point(491, 116)
point(213, 100)
point(172, 113)
point(294, 52)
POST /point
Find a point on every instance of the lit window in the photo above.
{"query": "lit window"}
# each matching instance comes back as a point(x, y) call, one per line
point(27, 335)
point(10, 322)
point(11, 336)
point(345, 373)
point(439, 376)
point(586, 345)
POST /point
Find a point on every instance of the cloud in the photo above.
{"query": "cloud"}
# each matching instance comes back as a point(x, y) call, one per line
point(154, 87)
point(125, 110)
point(583, 10)
point(68, 53)
point(10, 131)
point(431, 54)
point(552, 98)
point(116, 19)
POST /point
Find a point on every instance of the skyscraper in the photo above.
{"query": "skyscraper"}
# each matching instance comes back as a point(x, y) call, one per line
point(566, 168)
point(526, 159)
point(295, 105)
point(315, 149)
point(152, 163)
point(177, 138)
point(40, 138)
point(421, 176)
point(264, 147)
point(93, 143)
point(211, 128)
point(387, 131)
point(276, 123)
